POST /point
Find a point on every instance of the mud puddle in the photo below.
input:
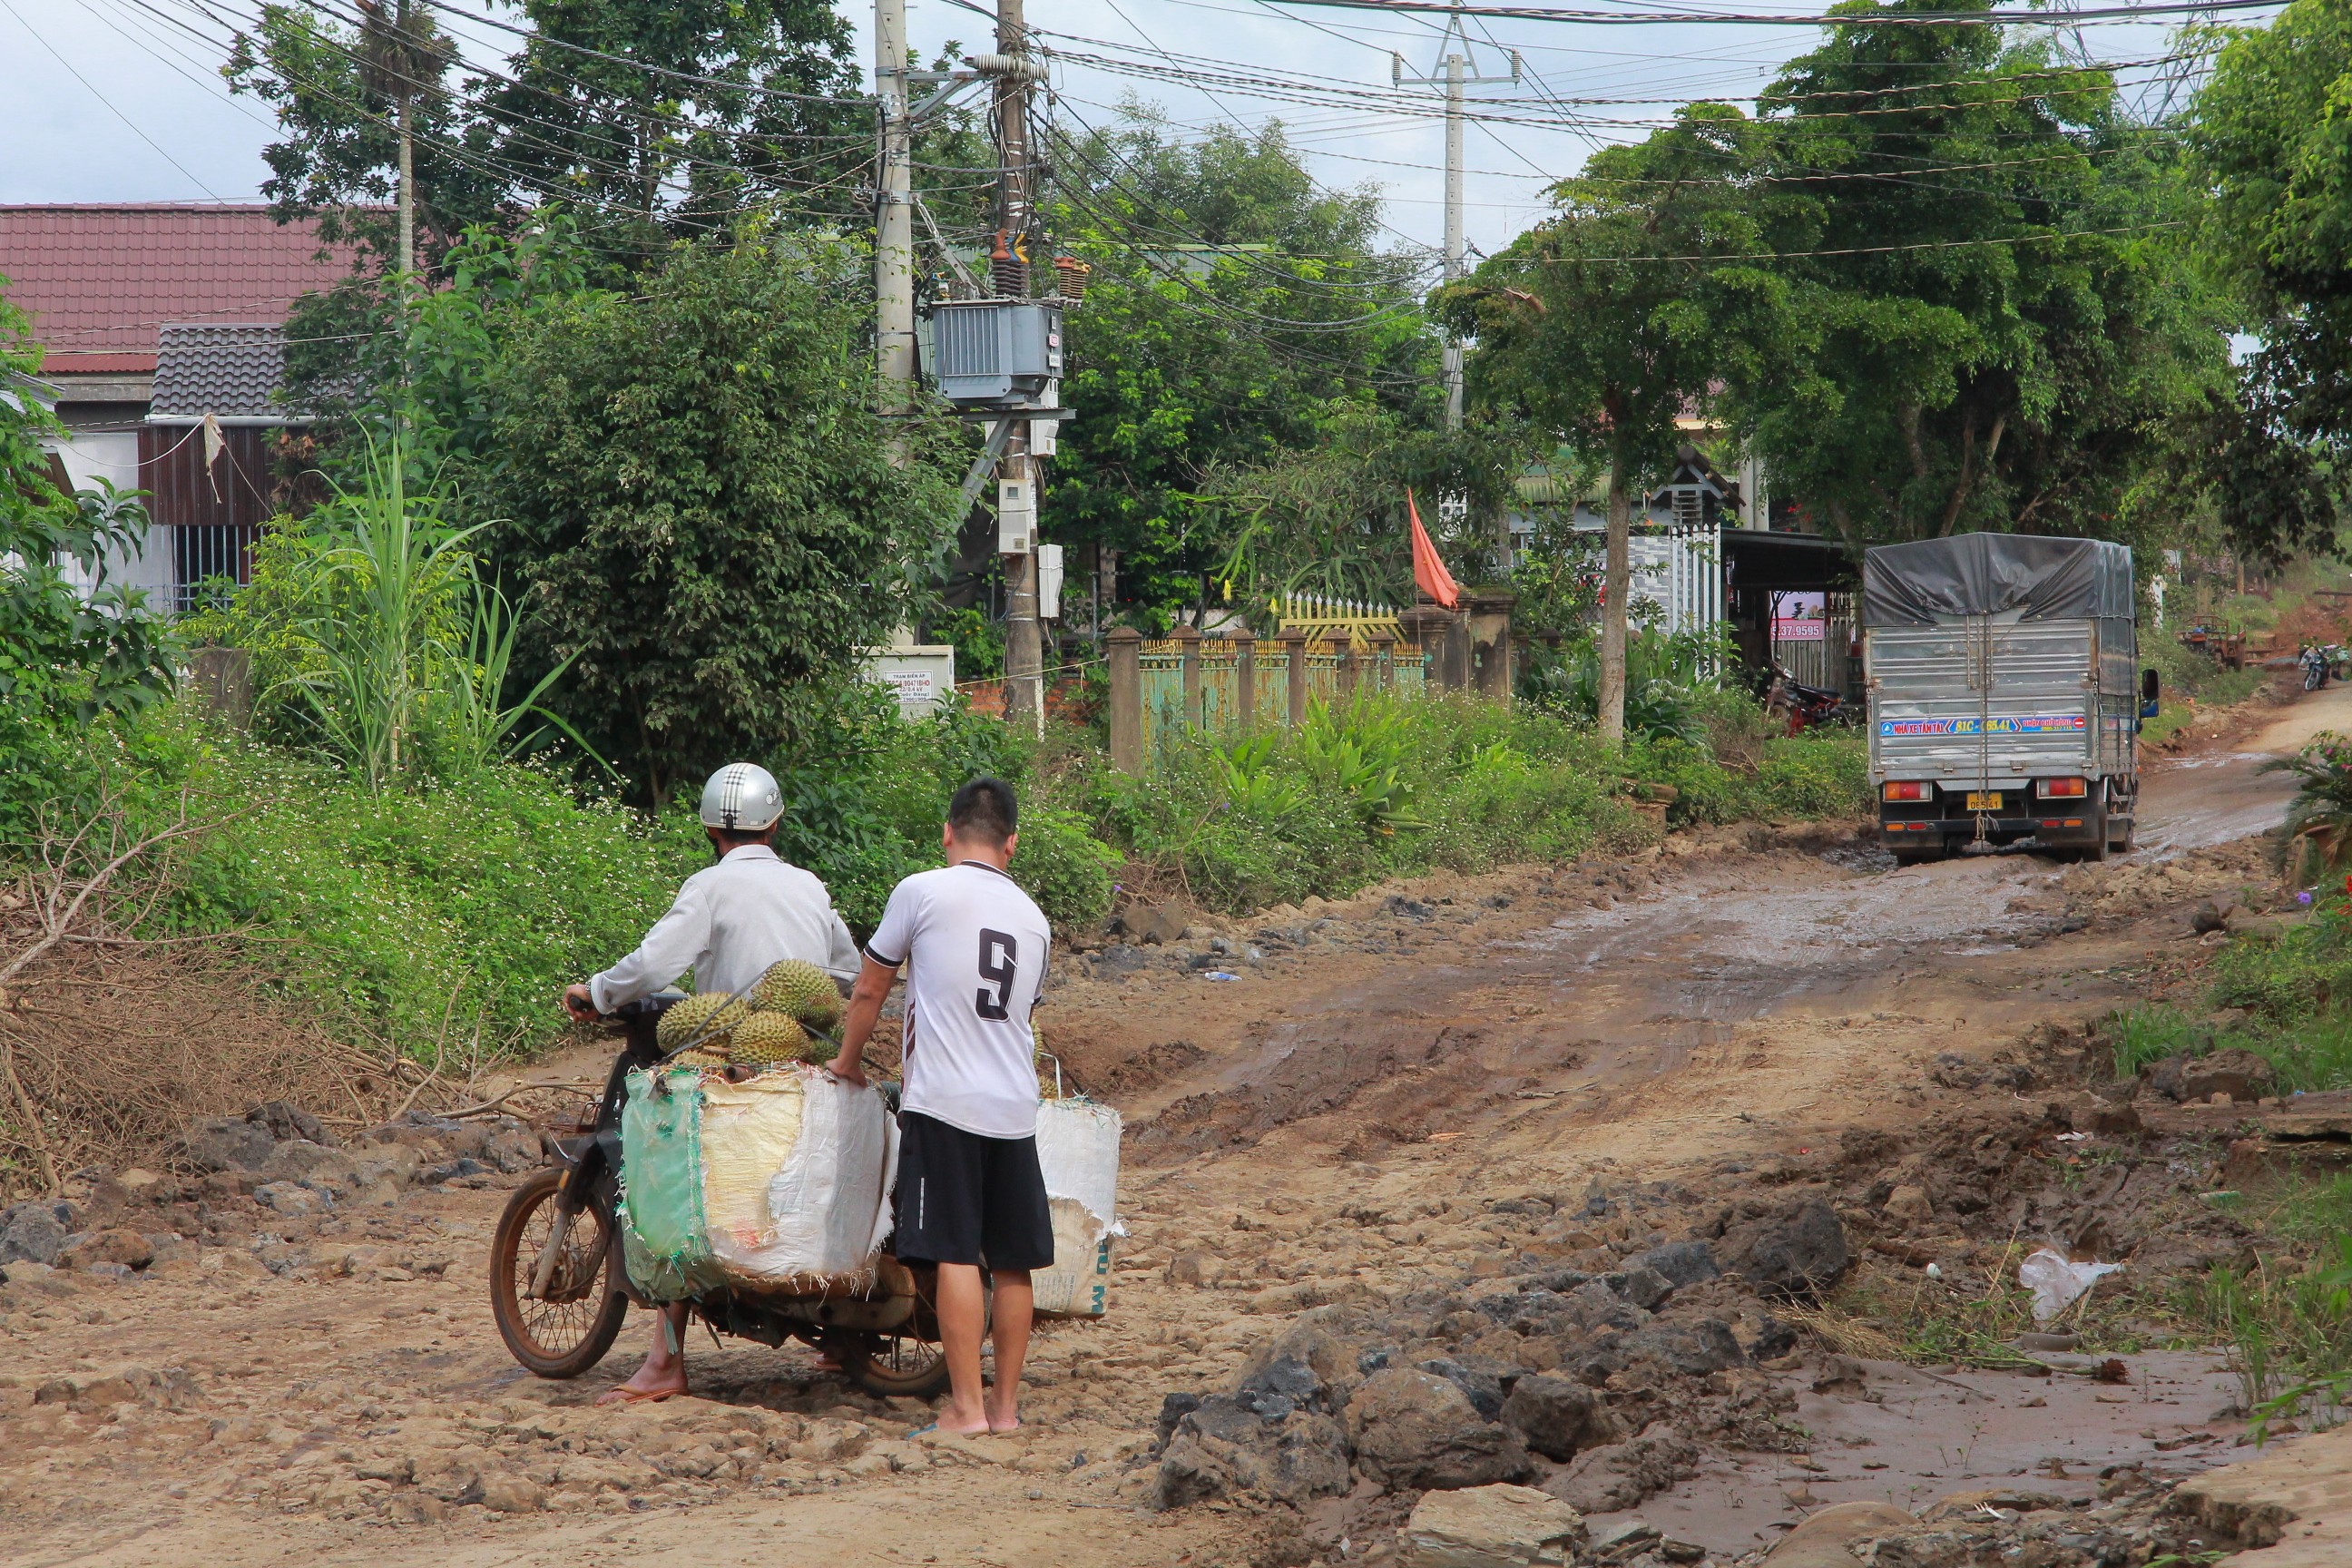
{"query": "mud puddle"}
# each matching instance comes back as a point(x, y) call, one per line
point(1907, 1437)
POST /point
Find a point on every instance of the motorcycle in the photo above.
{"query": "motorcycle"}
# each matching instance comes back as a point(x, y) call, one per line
point(1804, 707)
point(2314, 668)
point(559, 1289)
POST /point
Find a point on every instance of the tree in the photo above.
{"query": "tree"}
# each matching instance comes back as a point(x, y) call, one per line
point(1236, 313)
point(1997, 328)
point(696, 499)
point(2268, 141)
point(1604, 325)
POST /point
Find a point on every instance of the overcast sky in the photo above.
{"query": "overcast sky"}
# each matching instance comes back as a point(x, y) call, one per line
point(110, 102)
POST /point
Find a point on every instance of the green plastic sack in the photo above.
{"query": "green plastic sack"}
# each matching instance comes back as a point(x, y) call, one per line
point(664, 1242)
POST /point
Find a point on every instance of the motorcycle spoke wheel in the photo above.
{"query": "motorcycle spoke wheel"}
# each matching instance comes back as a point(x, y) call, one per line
point(896, 1365)
point(568, 1330)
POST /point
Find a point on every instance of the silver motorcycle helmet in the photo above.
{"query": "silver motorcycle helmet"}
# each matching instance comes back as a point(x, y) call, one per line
point(741, 798)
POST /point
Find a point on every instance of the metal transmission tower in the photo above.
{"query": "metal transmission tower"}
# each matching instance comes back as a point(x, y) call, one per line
point(1454, 74)
point(2168, 93)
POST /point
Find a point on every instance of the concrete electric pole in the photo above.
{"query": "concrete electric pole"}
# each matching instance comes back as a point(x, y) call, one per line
point(1454, 74)
point(894, 219)
point(1025, 657)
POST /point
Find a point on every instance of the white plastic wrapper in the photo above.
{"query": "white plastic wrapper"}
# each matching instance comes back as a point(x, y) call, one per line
point(2057, 1282)
point(1077, 1151)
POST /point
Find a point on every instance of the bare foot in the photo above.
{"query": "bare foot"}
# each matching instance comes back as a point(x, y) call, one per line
point(648, 1385)
point(1004, 1421)
point(961, 1424)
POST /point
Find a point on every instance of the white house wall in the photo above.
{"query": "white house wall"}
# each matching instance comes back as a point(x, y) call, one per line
point(90, 456)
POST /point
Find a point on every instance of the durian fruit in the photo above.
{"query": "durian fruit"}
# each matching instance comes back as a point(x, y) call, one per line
point(691, 1016)
point(801, 989)
point(766, 1037)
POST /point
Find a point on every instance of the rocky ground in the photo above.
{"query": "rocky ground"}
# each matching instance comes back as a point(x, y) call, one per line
point(1590, 1211)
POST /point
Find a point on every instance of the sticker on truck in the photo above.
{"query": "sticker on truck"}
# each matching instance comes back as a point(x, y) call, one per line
point(2028, 724)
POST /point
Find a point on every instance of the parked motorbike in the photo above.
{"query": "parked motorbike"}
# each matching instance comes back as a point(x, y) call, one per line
point(1802, 707)
point(2315, 668)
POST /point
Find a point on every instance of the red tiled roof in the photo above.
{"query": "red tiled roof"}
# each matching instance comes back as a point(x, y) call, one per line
point(100, 282)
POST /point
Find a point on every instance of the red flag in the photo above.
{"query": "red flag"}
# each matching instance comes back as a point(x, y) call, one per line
point(1429, 573)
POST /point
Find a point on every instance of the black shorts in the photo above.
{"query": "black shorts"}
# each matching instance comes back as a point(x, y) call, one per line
point(963, 1198)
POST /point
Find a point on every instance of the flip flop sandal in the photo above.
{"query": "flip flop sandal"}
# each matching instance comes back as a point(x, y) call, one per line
point(625, 1396)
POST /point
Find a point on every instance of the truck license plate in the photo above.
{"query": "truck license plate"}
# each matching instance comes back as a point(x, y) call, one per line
point(1982, 801)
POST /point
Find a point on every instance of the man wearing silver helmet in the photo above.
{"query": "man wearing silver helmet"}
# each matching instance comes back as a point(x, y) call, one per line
point(732, 921)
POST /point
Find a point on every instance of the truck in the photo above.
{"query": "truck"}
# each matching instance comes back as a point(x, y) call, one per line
point(2004, 695)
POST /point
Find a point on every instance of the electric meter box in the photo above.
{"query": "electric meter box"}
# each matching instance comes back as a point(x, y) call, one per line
point(996, 353)
point(1016, 516)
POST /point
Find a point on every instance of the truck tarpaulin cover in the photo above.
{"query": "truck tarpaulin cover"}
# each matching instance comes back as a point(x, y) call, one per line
point(1990, 574)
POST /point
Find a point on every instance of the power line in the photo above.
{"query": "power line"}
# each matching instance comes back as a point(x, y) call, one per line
point(1986, 19)
point(10, 6)
point(1737, 257)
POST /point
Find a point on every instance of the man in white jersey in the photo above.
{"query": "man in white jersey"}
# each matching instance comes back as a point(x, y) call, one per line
point(970, 1193)
point(731, 921)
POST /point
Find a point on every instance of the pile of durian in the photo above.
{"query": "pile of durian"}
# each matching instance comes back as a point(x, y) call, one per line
point(785, 1018)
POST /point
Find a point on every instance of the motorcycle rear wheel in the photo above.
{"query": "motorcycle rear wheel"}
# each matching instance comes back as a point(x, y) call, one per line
point(894, 1366)
point(569, 1330)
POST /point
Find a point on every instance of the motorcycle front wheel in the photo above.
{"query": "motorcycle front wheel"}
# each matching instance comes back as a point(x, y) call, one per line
point(569, 1328)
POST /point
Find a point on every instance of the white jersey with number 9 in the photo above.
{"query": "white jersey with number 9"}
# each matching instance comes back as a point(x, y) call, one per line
point(975, 948)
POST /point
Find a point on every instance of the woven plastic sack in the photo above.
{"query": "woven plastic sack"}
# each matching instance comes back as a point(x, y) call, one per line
point(1077, 1151)
point(780, 1182)
point(663, 1241)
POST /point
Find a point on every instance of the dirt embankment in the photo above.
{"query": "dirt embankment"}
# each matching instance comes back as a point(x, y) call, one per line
point(1533, 1179)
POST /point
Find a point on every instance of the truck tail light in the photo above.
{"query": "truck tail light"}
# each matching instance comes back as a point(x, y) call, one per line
point(2053, 788)
point(1915, 791)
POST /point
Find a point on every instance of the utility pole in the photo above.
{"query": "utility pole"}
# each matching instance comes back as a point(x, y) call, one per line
point(894, 221)
point(1453, 75)
point(1025, 658)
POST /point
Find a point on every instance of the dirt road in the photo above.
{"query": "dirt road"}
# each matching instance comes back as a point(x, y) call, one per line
point(1437, 1085)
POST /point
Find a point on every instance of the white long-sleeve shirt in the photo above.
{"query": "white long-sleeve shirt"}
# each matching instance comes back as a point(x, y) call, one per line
point(729, 923)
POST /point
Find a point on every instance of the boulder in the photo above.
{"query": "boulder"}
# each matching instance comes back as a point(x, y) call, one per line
point(1799, 1251)
point(1484, 1389)
point(1222, 1448)
point(291, 1199)
point(1823, 1540)
point(512, 1150)
point(1553, 1416)
point(1644, 1287)
point(1685, 1263)
point(1606, 1479)
point(1910, 1200)
point(287, 1122)
point(1692, 1349)
point(127, 1247)
point(2241, 1074)
point(1489, 1527)
point(227, 1144)
point(314, 1164)
point(1154, 925)
point(1415, 1429)
point(1305, 1364)
point(32, 1233)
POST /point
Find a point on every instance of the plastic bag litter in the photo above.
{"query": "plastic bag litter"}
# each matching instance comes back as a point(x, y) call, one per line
point(2057, 1282)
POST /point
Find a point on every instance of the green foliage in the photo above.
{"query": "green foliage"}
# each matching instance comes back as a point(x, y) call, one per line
point(2315, 840)
point(698, 502)
point(589, 111)
point(414, 915)
point(67, 659)
point(1064, 866)
point(375, 643)
point(2268, 144)
point(1382, 787)
point(1267, 325)
point(1667, 676)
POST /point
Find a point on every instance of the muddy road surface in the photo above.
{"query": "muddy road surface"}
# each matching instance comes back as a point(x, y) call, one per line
point(1443, 1123)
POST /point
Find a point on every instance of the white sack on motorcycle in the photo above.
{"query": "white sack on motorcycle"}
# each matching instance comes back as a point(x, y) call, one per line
point(790, 1173)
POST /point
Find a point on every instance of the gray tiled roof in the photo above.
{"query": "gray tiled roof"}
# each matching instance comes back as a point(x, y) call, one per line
point(229, 370)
